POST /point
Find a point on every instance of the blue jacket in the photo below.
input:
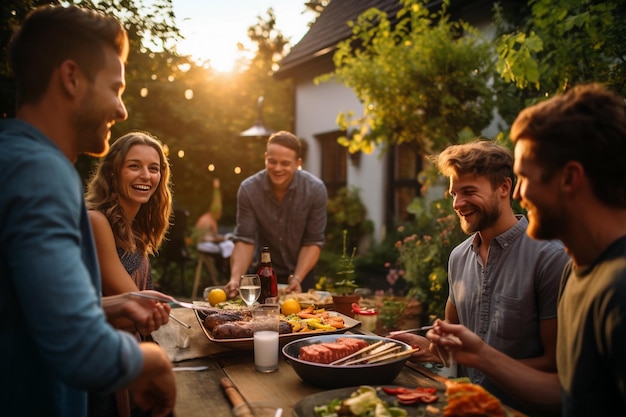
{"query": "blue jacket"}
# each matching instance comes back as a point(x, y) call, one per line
point(55, 342)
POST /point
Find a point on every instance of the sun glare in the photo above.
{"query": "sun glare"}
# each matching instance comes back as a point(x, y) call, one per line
point(212, 31)
point(222, 57)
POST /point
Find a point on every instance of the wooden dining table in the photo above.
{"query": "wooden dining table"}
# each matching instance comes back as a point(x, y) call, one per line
point(200, 392)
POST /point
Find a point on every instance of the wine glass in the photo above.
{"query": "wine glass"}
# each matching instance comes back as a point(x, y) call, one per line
point(249, 288)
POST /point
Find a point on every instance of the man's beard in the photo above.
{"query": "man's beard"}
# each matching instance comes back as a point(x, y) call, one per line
point(543, 224)
point(89, 123)
point(484, 219)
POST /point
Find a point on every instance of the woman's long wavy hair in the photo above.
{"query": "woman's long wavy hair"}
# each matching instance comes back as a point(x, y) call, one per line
point(152, 220)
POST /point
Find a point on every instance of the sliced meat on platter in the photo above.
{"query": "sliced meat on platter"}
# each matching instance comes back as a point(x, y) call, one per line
point(240, 329)
point(226, 316)
point(233, 330)
point(331, 351)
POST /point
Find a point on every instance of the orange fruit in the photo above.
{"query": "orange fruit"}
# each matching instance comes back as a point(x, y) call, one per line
point(290, 306)
point(216, 296)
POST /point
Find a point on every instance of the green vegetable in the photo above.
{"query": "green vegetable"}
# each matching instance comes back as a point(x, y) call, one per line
point(364, 402)
point(366, 399)
point(381, 411)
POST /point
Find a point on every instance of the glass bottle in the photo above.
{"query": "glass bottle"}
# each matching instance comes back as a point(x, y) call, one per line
point(269, 283)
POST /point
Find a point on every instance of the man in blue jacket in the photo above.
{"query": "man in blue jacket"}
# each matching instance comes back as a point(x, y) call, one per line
point(55, 341)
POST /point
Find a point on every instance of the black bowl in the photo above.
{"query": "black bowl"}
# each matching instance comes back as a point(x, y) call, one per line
point(339, 376)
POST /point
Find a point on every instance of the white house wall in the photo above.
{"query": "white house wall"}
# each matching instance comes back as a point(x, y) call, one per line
point(317, 108)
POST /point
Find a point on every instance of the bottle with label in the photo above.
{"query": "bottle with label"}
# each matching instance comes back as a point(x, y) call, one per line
point(269, 283)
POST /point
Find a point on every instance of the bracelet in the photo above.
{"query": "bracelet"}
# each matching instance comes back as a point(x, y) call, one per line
point(292, 276)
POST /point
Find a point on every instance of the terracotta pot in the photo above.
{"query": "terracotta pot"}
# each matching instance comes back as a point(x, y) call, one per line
point(343, 303)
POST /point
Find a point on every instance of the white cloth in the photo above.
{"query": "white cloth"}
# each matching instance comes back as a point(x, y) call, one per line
point(224, 248)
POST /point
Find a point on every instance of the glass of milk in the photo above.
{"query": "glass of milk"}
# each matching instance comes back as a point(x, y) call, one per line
point(265, 323)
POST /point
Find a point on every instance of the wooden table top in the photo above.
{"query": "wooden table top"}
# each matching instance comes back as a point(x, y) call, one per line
point(199, 393)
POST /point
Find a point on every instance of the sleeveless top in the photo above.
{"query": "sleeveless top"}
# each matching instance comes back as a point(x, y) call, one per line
point(138, 267)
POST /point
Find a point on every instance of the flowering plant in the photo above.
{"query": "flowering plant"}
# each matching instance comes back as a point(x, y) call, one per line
point(423, 257)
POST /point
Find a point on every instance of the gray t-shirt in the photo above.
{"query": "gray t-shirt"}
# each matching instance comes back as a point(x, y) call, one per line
point(298, 220)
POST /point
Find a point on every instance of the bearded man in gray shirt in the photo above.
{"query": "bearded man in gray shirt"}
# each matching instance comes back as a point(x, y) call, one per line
point(284, 208)
point(503, 284)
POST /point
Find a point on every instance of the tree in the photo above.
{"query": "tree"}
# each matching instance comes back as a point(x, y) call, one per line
point(270, 42)
point(555, 44)
point(423, 81)
point(316, 6)
point(195, 111)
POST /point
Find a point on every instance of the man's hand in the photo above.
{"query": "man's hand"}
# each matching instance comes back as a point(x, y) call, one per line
point(427, 351)
point(146, 315)
point(232, 288)
point(155, 388)
point(465, 346)
point(294, 284)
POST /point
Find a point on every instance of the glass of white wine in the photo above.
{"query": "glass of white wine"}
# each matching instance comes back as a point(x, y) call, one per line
point(249, 288)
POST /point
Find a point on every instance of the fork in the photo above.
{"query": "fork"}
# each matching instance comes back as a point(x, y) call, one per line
point(170, 301)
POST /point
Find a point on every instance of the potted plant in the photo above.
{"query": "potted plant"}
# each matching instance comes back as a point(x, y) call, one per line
point(343, 286)
point(391, 312)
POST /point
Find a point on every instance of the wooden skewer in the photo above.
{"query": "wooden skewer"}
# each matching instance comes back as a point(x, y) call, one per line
point(394, 355)
point(383, 348)
point(368, 358)
point(358, 352)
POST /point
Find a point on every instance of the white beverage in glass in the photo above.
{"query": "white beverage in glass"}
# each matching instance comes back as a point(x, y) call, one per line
point(266, 350)
point(249, 293)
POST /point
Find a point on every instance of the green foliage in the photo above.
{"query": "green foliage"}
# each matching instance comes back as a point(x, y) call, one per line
point(424, 249)
point(271, 43)
point(391, 312)
point(342, 281)
point(515, 62)
point(196, 112)
point(346, 212)
point(557, 44)
point(421, 81)
point(347, 224)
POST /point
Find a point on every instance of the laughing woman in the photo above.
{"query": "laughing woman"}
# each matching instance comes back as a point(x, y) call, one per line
point(129, 203)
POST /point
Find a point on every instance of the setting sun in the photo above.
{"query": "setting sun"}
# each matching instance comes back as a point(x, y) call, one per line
point(214, 30)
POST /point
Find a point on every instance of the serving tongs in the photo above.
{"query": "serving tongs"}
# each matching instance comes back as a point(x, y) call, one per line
point(171, 301)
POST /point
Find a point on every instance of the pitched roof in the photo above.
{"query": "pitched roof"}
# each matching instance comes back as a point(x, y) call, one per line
point(329, 28)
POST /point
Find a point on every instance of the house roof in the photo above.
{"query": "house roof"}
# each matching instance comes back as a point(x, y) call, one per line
point(329, 28)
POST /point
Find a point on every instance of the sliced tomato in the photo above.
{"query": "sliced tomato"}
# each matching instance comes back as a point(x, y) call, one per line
point(428, 390)
point(415, 397)
point(396, 391)
point(401, 390)
point(427, 399)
